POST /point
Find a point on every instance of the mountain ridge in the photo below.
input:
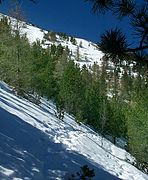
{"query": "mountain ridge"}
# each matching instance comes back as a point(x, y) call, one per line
point(89, 52)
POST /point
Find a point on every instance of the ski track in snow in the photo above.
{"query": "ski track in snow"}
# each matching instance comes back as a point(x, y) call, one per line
point(75, 138)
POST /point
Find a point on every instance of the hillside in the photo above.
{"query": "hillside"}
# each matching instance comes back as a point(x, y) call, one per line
point(89, 53)
point(35, 144)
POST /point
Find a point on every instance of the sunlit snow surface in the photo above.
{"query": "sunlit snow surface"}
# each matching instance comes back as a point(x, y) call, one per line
point(35, 144)
point(88, 51)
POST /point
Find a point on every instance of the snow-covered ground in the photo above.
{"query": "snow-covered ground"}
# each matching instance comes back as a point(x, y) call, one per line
point(35, 144)
point(88, 51)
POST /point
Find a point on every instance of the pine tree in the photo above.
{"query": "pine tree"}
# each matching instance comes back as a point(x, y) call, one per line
point(116, 124)
point(43, 69)
point(61, 63)
point(70, 89)
point(137, 123)
point(51, 36)
point(20, 51)
point(5, 50)
point(73, 40)
point(77, 54)
point(113, 42)
point(15, 60)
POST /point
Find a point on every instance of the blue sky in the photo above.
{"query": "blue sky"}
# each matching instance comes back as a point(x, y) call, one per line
point(72, 17)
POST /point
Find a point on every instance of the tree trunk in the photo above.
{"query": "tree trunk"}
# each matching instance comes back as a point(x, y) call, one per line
point(114, 140)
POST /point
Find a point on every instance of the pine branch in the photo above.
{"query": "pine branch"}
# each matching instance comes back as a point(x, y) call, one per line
point(137, 48)
point(101, 6)
point(143, 38)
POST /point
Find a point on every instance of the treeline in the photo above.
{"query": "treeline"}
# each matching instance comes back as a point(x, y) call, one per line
point(112, 98)
point(52, 36)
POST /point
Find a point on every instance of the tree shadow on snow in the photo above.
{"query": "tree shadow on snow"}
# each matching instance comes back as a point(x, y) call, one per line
point(32, 155)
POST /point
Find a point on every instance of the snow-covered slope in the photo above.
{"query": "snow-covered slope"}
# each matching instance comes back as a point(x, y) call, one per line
point(35, 144)
point(88, 51)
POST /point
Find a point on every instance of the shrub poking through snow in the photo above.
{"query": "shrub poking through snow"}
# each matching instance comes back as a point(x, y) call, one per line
point(84, 174)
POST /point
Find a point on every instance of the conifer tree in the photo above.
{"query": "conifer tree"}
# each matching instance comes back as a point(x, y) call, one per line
point(43, 68)
point(51, 36)
point(70, 89)
point(137, 114)
point(78, 54)
point(15, 65)
point(93, 98)
point(5, 50)
point(116, 124)
point(113, 42)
